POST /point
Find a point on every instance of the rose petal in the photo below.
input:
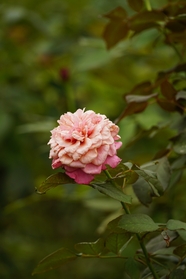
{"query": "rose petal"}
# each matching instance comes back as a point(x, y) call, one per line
point(102, 155)
point(92, 169)
point(80, 176)
point(112, 161)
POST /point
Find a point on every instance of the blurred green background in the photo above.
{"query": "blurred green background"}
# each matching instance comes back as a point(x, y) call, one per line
point(53, 60)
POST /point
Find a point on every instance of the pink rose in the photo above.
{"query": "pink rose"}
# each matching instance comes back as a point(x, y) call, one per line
point(83, 144)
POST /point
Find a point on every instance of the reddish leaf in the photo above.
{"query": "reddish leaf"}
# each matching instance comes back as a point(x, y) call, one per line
point(143, 26)
point(134, 107)
point(168, 91)
point(115, 31)
point(142, 88)
point(136, 5)
point(179, 37)
point(118, 13)
point(167, 105)
point(147, 17)
point(175, 26)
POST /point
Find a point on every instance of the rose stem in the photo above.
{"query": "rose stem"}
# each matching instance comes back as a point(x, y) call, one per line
point(127, 211)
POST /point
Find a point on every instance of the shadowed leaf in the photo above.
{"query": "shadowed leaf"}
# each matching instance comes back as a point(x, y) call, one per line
point(53, 181)
point(54, 260)
point(132, 269)
point(117, 242)
point(180, 251)
point(113, 192)
point(178, 274)
point(90, 248)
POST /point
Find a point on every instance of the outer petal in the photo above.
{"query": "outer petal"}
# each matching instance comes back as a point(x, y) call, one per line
point(80, 176)
point(56, 163)
point(92, 169)
point(112, 161)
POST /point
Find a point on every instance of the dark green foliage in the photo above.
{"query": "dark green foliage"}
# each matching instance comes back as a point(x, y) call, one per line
point(130, 64)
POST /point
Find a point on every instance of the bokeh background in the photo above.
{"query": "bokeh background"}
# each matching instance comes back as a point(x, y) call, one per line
point(53, 60)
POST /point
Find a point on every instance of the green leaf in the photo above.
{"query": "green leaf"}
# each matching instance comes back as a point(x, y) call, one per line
point(180, 143)
point(143, 191)
point(176, 225)
point(182, 234)
point(136, 5)
point(53, 181)
point(180, 251)
point(117, 242)
point(113, 192)
point(137, 223)
point(89, 249)
point(54, 260)
point(132, 269)
point(115, 31)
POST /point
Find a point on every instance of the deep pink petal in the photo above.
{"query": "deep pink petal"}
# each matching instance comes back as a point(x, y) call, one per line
point(80, 176)
point(112, 161)
point(56, 163)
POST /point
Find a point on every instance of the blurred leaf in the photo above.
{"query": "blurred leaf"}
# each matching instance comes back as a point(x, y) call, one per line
point(175, 25)
point(132, 269)
point(168, 90)
point(181, 95)
point(137, 223)
point(167, 104)
point(147, 17)
point(139, 98)
point(113, 192)
point(117, 13)
point(143, 88)
point(53, 181)
point(54, 260)
point(136, 5)
point(175, 225)
point(132, 108)
point(139, 27)
point(115, 31)
point(90, 248)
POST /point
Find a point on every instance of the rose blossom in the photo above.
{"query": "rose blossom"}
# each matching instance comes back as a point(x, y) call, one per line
point(83, 144)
